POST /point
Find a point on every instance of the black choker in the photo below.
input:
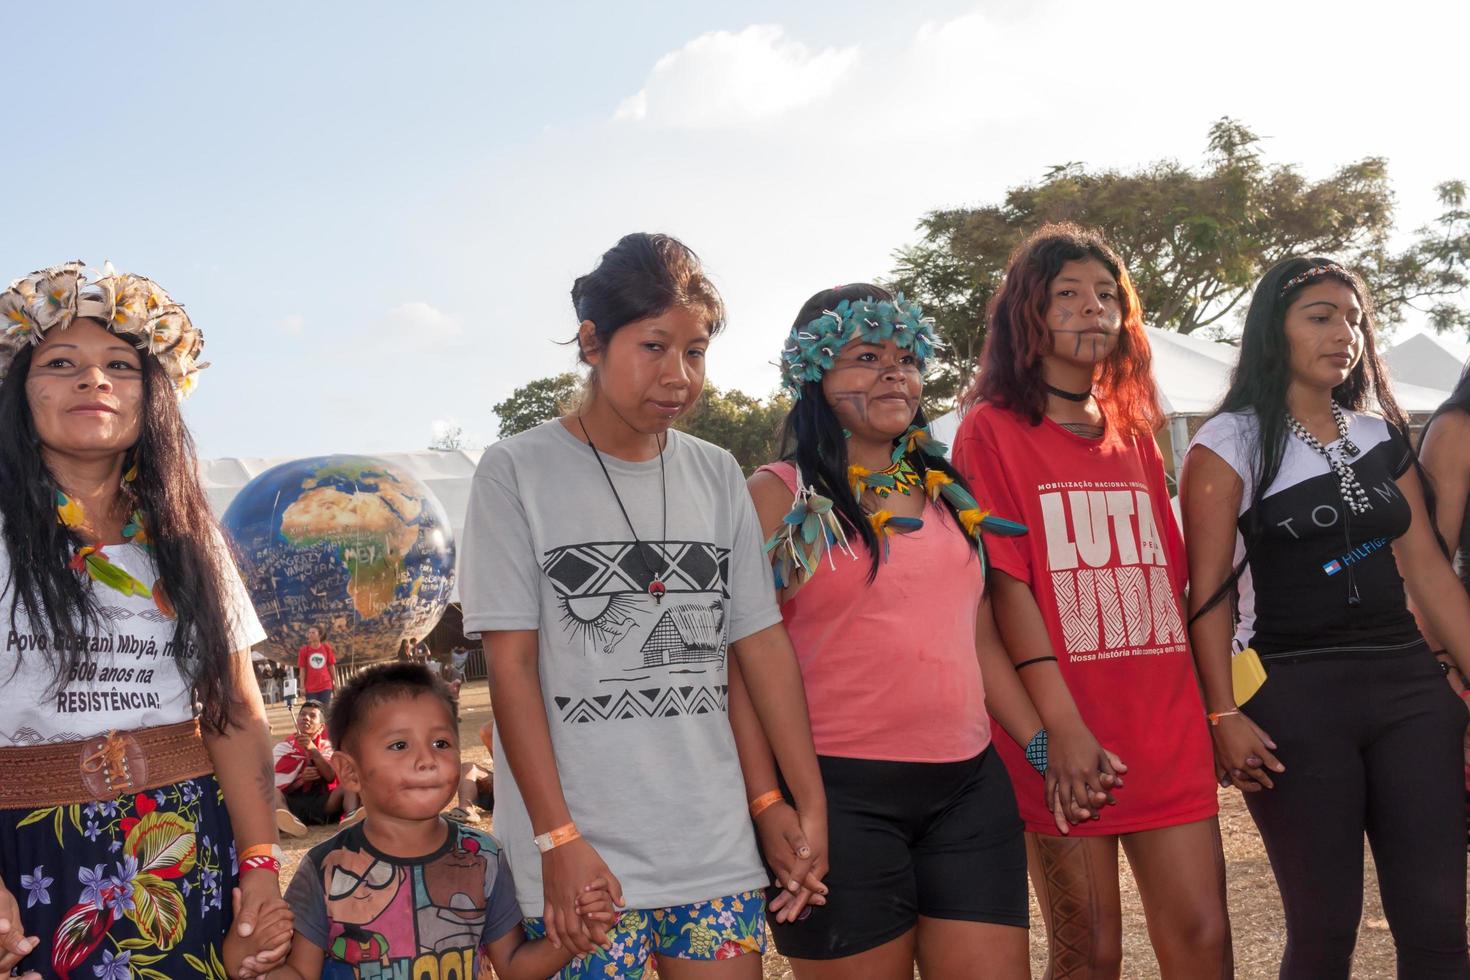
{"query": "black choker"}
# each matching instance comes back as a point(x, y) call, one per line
point(1071, 396)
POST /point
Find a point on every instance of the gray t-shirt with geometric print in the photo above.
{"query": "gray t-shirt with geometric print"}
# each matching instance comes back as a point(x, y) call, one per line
point(635, 688)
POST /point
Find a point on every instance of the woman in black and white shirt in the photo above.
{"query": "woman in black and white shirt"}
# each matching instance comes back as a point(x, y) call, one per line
point(1312, 511)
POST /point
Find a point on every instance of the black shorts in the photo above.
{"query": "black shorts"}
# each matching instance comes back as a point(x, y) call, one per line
point(310, 806)
point(905, 839)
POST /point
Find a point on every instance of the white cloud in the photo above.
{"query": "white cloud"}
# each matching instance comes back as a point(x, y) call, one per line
point(420, 322)
point(293, 323)
point(724, 79)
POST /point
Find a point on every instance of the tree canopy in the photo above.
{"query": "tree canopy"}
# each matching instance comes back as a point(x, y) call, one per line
point(534, 403)
point(1194, 240)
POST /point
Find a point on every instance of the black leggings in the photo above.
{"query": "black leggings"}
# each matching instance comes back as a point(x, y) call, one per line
point(1370, 745)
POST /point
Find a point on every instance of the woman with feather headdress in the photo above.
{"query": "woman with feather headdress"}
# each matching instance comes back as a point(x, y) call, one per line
point(134, 745)
point(880, 569)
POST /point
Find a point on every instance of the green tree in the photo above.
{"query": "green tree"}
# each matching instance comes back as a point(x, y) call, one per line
point(534, 403)
point(1194, 240)
point(748, 427)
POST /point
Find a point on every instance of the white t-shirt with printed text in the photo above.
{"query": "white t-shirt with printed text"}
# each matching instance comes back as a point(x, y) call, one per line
point(130, 677)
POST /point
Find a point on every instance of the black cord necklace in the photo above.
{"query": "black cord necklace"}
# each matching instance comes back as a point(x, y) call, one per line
point(656, 587)
point(1071, 396)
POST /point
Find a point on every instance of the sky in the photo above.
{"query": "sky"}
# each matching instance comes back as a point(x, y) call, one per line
point(375, 211)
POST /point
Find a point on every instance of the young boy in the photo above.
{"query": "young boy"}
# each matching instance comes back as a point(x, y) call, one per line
point(405, 893)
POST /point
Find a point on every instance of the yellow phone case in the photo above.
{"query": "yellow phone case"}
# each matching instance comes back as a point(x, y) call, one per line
point(1246, 675)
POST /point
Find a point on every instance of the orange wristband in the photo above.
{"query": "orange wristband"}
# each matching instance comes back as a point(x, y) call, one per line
point(1215, 716)
point(272, 851)
point(552, 839)
point(764, 802)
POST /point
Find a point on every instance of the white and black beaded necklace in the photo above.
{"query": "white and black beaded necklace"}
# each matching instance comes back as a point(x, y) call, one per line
point(1352, 491)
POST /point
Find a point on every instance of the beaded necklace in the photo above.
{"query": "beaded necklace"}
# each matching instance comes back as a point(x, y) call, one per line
point(92, 561)
point(1352, 491)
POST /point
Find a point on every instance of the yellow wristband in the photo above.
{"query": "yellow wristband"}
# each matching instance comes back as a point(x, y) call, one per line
point(764, 802)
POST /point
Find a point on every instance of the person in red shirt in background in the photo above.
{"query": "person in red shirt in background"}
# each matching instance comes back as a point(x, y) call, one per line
point(1058, 434)
point(306, 781)
point(316, 660)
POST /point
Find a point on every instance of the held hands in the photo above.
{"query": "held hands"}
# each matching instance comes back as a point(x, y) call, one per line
point(256, 953)
point(570, 873)
point(1080, 776)
point(596, 904)
point(795, 846)
point(15, 945)
point(256, 900)
point(1243, 754)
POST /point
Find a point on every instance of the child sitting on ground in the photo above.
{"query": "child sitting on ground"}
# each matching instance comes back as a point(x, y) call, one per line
point(405, 893)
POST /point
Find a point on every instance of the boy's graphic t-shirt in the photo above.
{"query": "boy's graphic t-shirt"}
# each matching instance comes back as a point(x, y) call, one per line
point(1313, 555)
point(634, 686)
point(130, 677)
point(317, 661)
point(380, 917)
point(1106, 564)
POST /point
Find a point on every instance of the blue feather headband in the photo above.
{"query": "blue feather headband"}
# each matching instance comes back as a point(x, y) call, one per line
point(811, 348)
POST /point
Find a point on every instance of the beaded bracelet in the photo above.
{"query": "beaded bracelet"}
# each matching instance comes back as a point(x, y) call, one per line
point(1036, 751)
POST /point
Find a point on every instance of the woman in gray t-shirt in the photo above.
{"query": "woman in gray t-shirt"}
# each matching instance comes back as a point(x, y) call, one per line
point(609, 564)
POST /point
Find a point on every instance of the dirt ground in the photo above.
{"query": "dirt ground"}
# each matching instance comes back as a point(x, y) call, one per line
point(1255, 906)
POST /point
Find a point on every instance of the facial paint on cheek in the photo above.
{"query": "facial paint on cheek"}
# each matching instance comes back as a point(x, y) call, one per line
point(855, 402)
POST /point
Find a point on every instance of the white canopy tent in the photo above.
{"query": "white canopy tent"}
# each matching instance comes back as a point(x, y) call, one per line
point(1428, 360)
point(1193, 375)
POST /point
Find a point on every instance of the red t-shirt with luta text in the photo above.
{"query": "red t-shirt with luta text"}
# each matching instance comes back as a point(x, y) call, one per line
point(317, 661)
point(1104, 558)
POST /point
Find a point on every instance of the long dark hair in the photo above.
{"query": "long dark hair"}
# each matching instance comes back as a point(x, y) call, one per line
point(1263, 373)
point(186, 544)
point(1017, 338)
point(812, 437)
point(1459, 400)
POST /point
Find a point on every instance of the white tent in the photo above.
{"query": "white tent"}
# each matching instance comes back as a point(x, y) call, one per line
point(1193, 375)
point(1428, 360)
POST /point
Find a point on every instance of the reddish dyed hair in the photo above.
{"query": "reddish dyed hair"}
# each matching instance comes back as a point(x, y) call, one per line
point(1017, 338)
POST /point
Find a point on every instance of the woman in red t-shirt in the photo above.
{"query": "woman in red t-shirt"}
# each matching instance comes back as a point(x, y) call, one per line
point(1058, 433)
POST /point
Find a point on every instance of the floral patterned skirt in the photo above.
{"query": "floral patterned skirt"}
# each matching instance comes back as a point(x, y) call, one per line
point(136, 888)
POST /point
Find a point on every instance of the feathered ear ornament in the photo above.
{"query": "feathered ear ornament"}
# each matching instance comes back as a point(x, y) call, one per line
point(809, 531)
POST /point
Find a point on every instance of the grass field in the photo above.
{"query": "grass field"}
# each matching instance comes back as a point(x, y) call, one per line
point(1255, 906)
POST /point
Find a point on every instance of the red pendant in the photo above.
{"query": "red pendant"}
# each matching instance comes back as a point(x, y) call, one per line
point(657, 590)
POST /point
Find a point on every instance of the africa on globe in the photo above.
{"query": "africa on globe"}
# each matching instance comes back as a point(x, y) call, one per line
point(349, 544)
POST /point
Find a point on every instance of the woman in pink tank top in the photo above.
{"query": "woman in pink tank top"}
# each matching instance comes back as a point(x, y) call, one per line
point(881, 573)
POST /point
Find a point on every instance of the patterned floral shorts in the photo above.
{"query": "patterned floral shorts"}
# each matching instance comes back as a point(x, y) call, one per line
point(136, 888)
point(719, 929)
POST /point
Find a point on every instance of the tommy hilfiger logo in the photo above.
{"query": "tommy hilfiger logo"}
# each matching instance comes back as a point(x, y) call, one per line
point(1352, 557)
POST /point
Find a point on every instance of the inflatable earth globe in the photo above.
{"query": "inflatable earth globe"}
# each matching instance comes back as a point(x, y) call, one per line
point(349, 544)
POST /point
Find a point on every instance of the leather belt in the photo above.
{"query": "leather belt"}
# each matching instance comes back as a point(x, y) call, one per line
point(103, 767)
